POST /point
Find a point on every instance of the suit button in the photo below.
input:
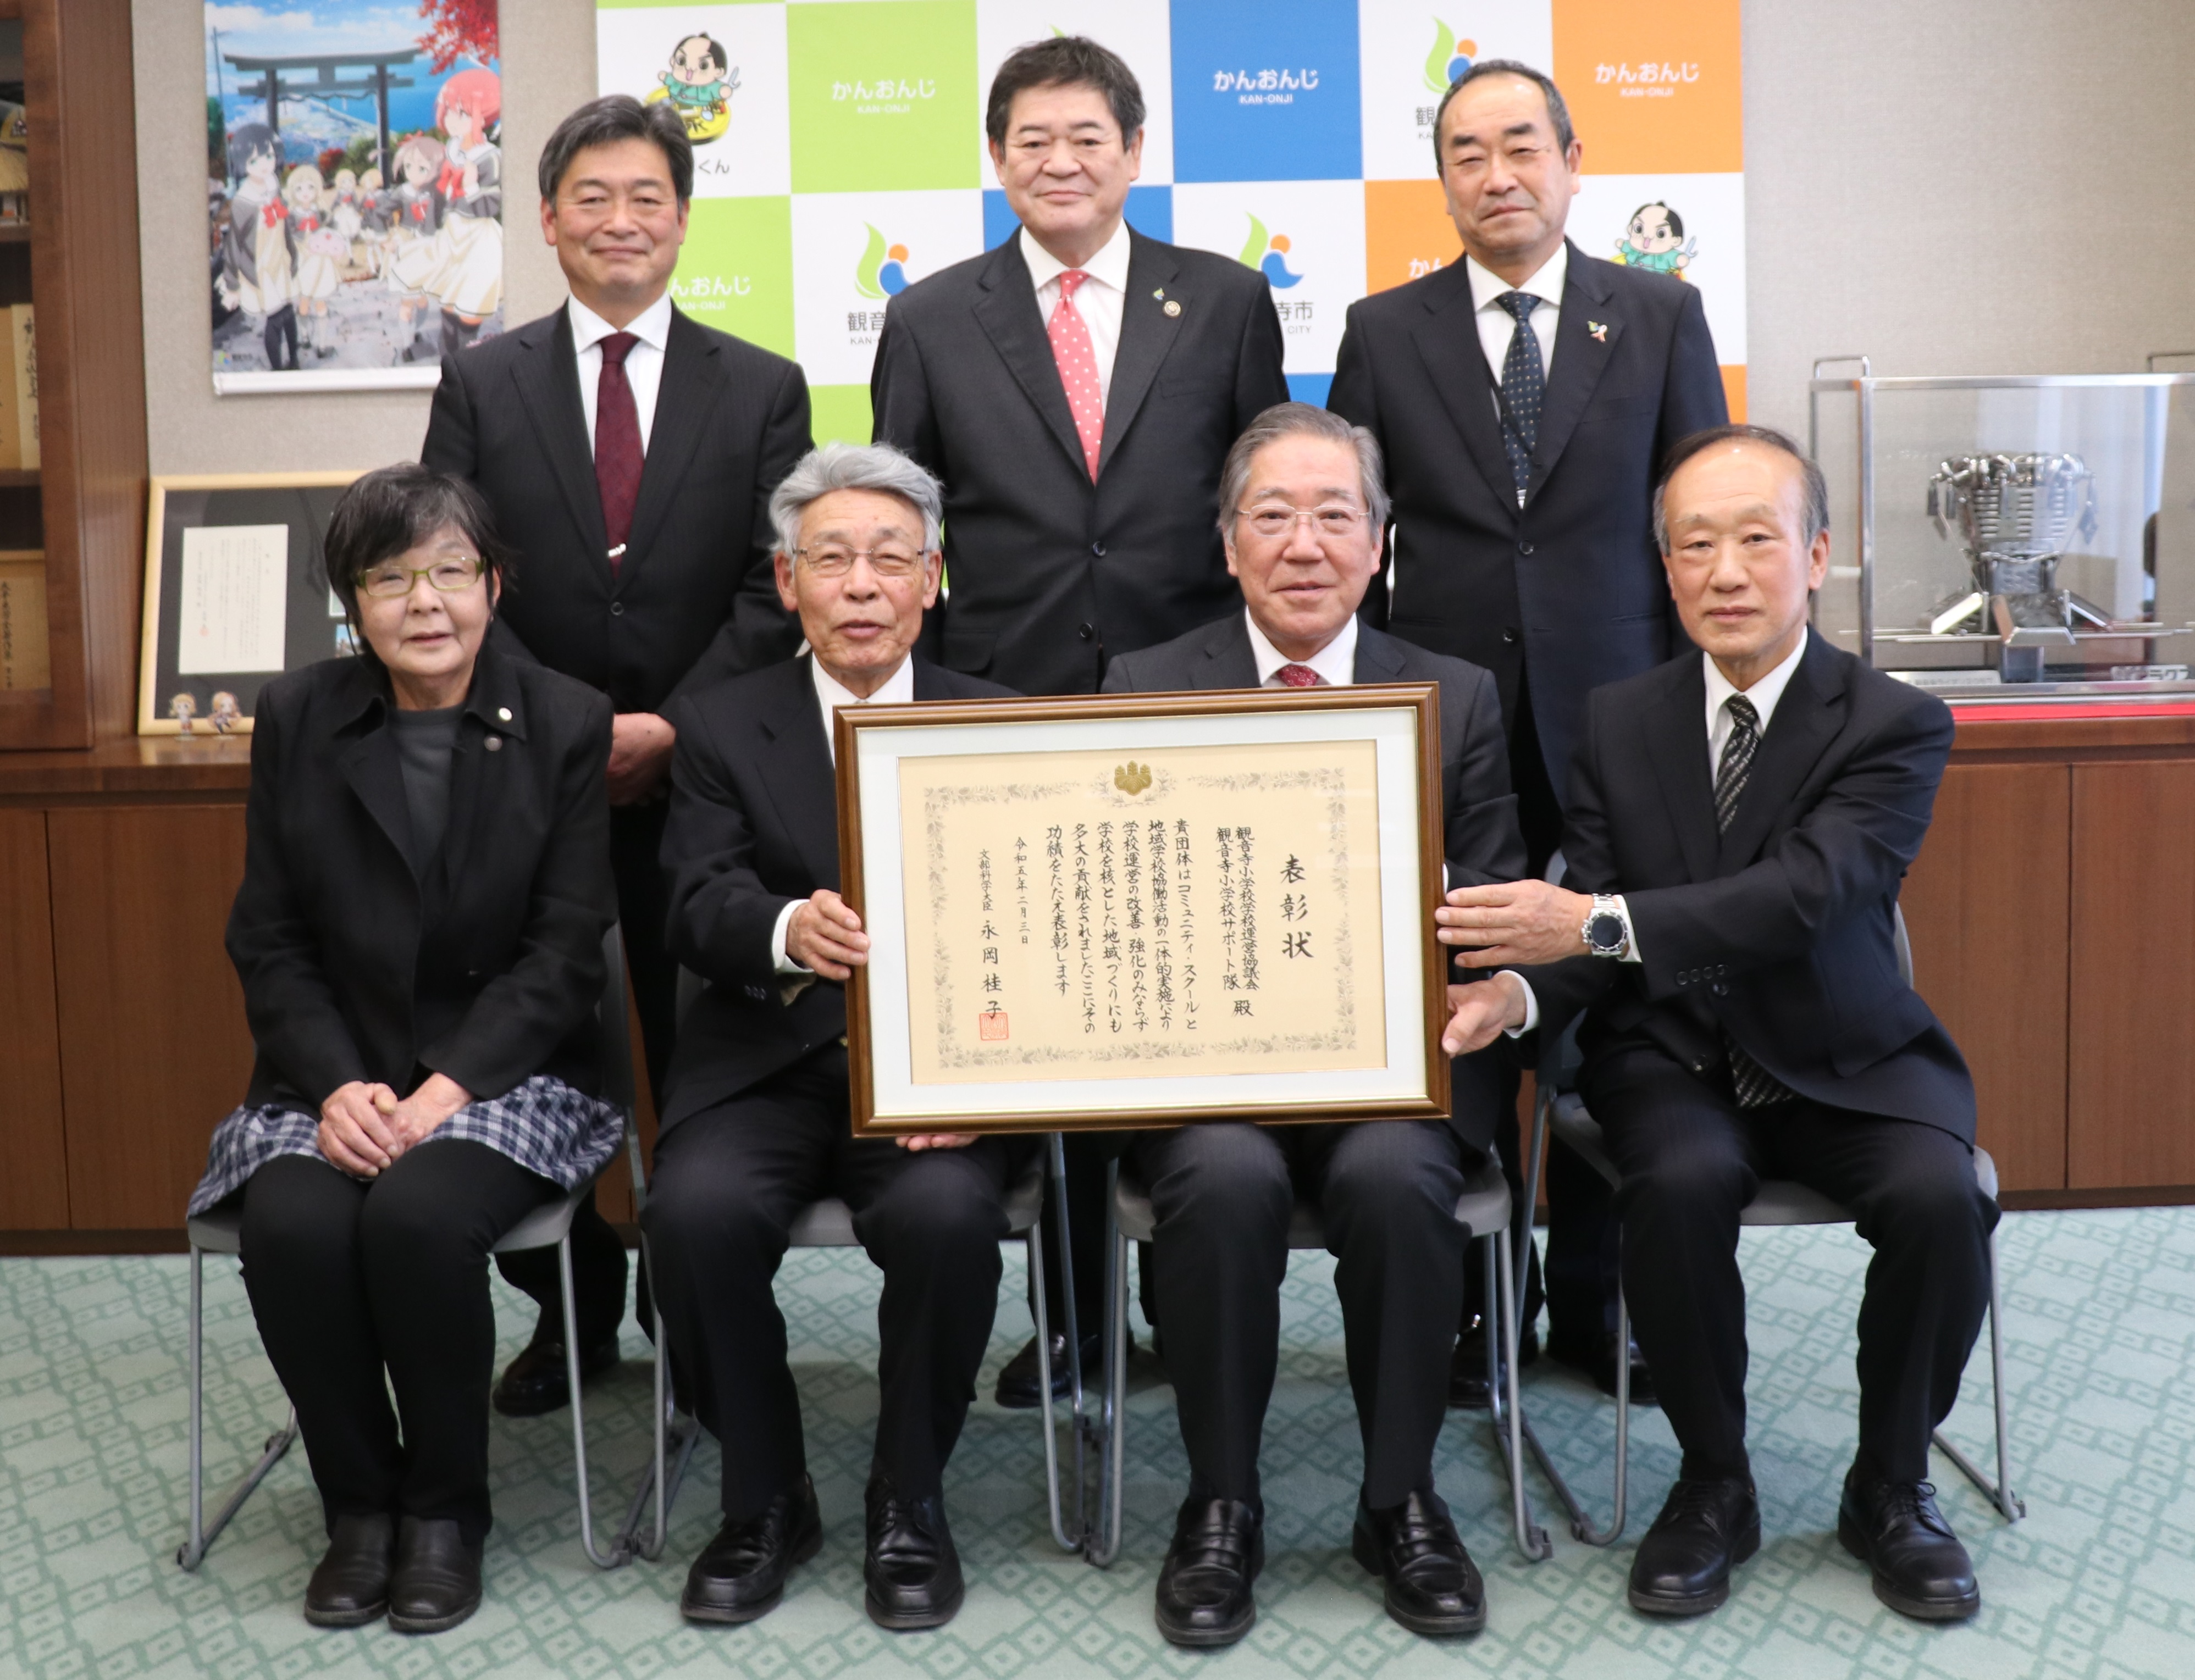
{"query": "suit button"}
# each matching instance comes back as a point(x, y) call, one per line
point(1509, 635)
point(1097, 549)
point(617, 609)
point(1525, 549)
point(1085, 631)
point(1719, 989)
point(495, 743)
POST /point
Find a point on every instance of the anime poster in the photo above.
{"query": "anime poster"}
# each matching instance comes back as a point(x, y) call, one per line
point(353, 190)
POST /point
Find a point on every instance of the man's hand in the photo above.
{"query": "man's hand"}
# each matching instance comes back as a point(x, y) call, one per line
point(935, 1139)
point(640, 756)
point(1514, 925)
point(826, 937)
point(439, 1096)
point(355, 1134)
point(1482, 1012)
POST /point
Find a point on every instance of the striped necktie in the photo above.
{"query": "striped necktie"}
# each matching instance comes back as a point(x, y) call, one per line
point(1755, 1086)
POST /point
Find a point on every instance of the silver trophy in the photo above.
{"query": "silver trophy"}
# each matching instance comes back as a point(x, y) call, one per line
point(2016, 514)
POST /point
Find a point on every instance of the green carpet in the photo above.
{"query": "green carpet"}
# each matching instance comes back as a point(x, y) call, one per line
point(2100, 1581)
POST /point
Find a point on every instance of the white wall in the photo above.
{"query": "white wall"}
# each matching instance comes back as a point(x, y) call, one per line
point(1951, 186)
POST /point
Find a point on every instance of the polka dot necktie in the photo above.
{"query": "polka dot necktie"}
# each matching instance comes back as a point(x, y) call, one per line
point(618, 457)
point(1078, 368)
point(1756, 1087)
point(1298, 676)
point(1523, 383)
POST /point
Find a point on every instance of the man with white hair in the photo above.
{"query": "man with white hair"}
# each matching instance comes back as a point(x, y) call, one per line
point(755, 1124)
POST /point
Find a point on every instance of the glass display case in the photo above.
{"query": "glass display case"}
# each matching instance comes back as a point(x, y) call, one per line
point(2012, 538)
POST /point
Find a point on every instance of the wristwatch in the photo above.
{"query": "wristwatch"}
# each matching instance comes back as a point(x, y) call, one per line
point(1607, 933)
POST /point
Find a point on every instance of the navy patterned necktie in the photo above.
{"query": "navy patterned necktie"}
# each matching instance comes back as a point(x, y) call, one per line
point(1523, 383)
point(1755, 1086)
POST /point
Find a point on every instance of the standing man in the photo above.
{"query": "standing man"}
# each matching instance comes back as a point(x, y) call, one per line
point(628, 455)
point(1525, 398)
point(1076, 389)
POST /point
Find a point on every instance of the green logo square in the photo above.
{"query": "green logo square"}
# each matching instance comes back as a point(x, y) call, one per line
point(884, 95)
point(736, 270)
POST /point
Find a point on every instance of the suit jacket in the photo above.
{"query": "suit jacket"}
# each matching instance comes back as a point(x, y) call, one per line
point(1776, 932)
point(754, 824)
point(1569, 588)
point(1483, 845)
point(486, 964)
point(1049, 572)
point(693, 600)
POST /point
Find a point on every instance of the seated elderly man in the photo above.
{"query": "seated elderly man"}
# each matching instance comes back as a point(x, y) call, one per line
point(755, 1121)
point(1302, 511)
point(1740, 821)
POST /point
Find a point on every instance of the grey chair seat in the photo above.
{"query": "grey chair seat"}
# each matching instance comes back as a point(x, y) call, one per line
point(1484, 1207)
point(829, 1224)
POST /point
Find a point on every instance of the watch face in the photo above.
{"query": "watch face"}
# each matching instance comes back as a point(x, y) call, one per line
point(1607, 933)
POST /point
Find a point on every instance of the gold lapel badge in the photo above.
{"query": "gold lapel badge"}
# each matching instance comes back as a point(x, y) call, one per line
point(1173, 308)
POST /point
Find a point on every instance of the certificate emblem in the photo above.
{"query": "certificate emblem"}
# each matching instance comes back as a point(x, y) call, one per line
point(1131, 778)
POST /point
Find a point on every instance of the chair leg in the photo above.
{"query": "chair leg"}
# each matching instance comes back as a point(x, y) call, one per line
point(1061, 1534)
point(1582, 1526)
point(1531, 1538)
point(193, 1552)
point(1109, 1426)
point(664, 1475)
point(2000, 1492)
point(617, 1554)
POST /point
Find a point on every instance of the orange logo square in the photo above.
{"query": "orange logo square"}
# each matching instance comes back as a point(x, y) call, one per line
point(1407, 233)
point(1652, 89)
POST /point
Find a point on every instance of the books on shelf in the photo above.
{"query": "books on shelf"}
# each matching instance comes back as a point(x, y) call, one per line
point(23, 650)
point(18, 389)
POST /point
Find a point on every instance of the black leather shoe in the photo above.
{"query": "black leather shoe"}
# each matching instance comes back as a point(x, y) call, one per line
point(1920, 1569)
point(740, 1575)
point(1596, 1359)
point(350, 1587)
point(436, 1582)
point(1432, 1585)
point(1466, 1365)
point(913, 1572)
point(1204, 1596)
point(1020, 1384)
point(1706, 1529)
point(535, 1382)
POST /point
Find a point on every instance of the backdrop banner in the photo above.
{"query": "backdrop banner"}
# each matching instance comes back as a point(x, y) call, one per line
point(355, 186)
point(839, 152)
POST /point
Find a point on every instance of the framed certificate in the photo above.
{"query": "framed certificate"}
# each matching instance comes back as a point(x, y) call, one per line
point(1145, 910)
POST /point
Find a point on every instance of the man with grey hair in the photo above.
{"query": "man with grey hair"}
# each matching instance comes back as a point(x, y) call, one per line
point(1301, 513)
point(755, 1124)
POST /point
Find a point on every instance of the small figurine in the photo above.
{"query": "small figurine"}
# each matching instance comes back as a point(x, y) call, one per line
point(183, 708)
point(1656, 239)
point(226, 714)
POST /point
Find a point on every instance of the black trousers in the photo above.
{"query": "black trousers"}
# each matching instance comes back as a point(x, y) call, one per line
point(1690, 1160)
point(351, 1279)
point(728, 1182)
point(1221, 1196)
point(598, 1262)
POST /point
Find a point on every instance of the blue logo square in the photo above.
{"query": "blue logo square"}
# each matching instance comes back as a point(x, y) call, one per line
point(1266, 90)
point(1149, 211)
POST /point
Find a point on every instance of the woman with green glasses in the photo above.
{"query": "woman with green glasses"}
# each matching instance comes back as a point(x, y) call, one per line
point(419, 935)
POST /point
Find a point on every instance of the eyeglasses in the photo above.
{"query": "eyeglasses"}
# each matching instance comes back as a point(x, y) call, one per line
point(830, 559)
point(1332, 521)
point(388, 581)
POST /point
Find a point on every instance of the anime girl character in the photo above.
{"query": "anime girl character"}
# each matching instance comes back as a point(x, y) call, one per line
point(700, 85)
point(1654, 239)
point(183, 708)
point(320, 247)
point(466, 274)
point(347, 214)
point(414, 212)
point(259, 251)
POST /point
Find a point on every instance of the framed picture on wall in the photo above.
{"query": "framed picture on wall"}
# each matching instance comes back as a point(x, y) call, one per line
point(235, 592)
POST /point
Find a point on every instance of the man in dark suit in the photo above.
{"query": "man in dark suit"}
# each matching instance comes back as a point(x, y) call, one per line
point(1524, 397)
point(1076, 388)
point(1741, 820)
point(629, 453)
point(1303, 514)
point(756, 1123)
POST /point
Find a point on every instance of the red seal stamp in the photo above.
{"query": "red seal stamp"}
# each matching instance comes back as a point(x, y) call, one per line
point(991, 1025)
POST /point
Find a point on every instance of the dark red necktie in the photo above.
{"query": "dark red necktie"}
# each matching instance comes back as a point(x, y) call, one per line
point(617, 445)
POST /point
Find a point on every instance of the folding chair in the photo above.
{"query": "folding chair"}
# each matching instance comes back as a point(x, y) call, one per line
point(1483, 1210)
point(218, 1231)
point(1779, 1202)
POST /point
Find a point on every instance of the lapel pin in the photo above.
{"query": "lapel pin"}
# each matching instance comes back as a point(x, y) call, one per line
point(1173, 308)
point(504, 712)
point(1160, 294)
point(1598, 330)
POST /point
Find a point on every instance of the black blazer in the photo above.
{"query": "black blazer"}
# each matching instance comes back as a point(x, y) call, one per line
point(753, 824)
point(1049, 573)
point(1484, 845)
point(488, 964)
point(1778, 932)
point(693, 600)
point(1570, 586)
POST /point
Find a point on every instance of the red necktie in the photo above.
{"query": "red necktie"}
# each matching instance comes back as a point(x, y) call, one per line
point(1298, 676)
point(617, 445)
point(1078, 368)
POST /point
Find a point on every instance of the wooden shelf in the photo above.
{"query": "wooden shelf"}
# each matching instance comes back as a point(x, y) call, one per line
point(13, 233)
point(19, 478)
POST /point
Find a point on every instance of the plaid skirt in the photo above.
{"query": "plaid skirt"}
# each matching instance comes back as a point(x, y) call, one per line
point(543, 1125)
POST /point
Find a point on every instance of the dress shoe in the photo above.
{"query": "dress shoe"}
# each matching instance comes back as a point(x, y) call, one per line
point(740, 1575)
point(535, 1382)
point(350, 1587)
point(913, 1572)
point(1020, 1384)
point(1466, 1365)
point(1596, 1358)
point(436, 1582)
point(1706, 1528)
point(1432, 1585)
point(1920, 1569)
point(1204, 1596)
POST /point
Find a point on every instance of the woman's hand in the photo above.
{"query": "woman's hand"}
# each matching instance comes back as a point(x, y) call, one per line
point(355, 1133)
point(935, 1139)
point(439, 1096)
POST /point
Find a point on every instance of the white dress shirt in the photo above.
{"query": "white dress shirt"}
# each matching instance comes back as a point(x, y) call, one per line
point(1335, 663)
point(830, 695)
point(1099, 300)
point(643, 363)
point(1497, 326)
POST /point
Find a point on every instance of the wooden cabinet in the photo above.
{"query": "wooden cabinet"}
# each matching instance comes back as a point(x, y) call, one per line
point(34, 1181)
